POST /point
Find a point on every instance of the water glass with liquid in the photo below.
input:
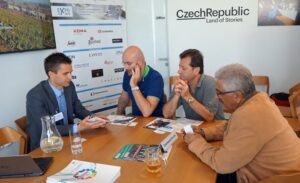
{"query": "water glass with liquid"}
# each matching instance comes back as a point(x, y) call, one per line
point(75, 140)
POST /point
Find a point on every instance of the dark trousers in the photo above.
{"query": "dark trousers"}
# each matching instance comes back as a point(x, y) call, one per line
point(227, 178)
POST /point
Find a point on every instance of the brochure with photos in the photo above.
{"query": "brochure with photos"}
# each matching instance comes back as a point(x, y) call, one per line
point(133, 152)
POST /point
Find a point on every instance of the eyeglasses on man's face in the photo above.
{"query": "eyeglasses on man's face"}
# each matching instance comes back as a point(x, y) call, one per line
point(220, 93)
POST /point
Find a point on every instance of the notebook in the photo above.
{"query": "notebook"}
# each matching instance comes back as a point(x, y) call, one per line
point(23, 166)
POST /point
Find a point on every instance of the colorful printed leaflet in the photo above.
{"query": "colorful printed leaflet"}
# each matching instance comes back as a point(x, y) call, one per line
point(86, 172)
point(133, 152)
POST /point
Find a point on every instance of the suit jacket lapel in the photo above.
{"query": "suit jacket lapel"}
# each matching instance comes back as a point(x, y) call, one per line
point(51, 95)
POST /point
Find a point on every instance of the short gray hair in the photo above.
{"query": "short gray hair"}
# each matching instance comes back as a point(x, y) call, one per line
point(236, 77)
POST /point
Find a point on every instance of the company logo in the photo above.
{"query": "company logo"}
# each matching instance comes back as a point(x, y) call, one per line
point(72, 57)
point(97, 93)
point(119, 69)
point(79, 31)
point(119, 52)
point(78, 85)
point(92, 40)
point(233, 14)
point(97, 54)
point(117, 40)
point(104, 31)
point(83, 65)
point(97, 73)
point(108, 62)
point(71, 43)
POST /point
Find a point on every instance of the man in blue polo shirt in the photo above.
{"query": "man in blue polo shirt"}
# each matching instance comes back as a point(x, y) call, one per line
point(141, 84)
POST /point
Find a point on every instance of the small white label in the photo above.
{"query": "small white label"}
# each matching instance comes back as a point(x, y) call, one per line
point(132, 124)
point(188, 129)
point(62, 11)
point(58, 116)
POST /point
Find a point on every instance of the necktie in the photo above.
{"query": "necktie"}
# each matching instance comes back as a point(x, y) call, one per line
point(63, 107)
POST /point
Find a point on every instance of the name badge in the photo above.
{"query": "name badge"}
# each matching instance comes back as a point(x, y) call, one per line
point(58, 116)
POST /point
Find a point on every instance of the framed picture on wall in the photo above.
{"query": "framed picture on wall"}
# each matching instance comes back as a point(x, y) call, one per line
point(278, 12)
point(25, 25)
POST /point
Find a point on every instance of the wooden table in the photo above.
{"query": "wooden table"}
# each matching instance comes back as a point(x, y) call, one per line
point(103, 144)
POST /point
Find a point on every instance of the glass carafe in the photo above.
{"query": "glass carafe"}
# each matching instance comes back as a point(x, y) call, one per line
point(51, 140)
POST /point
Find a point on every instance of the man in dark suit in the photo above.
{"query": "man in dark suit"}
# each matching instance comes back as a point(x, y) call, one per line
point(56, 96)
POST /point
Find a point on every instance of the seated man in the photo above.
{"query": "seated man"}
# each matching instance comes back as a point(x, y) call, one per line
point(55, 96)
point(143, 85)
point(258, 142)
point(194, 90)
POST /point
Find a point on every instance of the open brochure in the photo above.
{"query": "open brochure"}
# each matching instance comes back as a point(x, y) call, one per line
point(120, 119)
point(169, 125)
point(133, 152)
point(82, 171)
point(136, 152)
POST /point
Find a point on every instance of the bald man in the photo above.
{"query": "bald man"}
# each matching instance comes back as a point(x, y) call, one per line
point(141, 84)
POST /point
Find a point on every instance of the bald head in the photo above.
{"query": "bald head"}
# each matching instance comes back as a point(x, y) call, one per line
point(133, 56)
point(133, 53)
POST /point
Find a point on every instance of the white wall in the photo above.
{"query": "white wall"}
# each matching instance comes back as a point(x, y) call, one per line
point(265, 50)
point(19, 72)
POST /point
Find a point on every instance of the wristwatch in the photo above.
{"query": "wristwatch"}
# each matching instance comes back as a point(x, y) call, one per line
point(191, 100)
point(136, 88)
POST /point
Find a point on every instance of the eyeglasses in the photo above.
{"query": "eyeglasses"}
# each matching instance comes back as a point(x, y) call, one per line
point(219, 93)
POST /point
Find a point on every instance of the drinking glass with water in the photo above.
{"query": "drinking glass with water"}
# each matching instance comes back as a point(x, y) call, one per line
point(75, 140)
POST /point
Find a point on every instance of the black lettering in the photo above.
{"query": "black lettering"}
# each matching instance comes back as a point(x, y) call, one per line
point(221, 13)
point(215, 13)
point(202, 12)
point(208, 12)
point(246, 11)
point(186, 14)
point(234, 12)
point(179, 11)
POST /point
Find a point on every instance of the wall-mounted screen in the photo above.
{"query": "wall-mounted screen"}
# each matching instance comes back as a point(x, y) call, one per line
point(25, 25)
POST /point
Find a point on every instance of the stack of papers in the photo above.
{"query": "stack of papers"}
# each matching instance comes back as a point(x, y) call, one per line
point(120, 119)
point(180, 123)
point(169, 125)
point(160, 124)
point(82, 171)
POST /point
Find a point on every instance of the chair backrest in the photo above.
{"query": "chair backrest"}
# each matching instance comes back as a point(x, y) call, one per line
point(9, 135)
point(294, 100)
point(295, 88)
point(172, 81)
point(262, 81)
point(21, 124)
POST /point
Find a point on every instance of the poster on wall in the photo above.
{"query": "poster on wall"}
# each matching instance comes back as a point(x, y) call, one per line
point(25, 25)
point(93, 34)
point(278, 12)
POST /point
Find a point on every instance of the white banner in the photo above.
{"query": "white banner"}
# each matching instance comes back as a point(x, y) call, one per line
point(93, 34)
point(237, 31)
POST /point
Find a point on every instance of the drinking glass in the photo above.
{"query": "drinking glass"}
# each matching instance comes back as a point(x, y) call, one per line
point(153, 159)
